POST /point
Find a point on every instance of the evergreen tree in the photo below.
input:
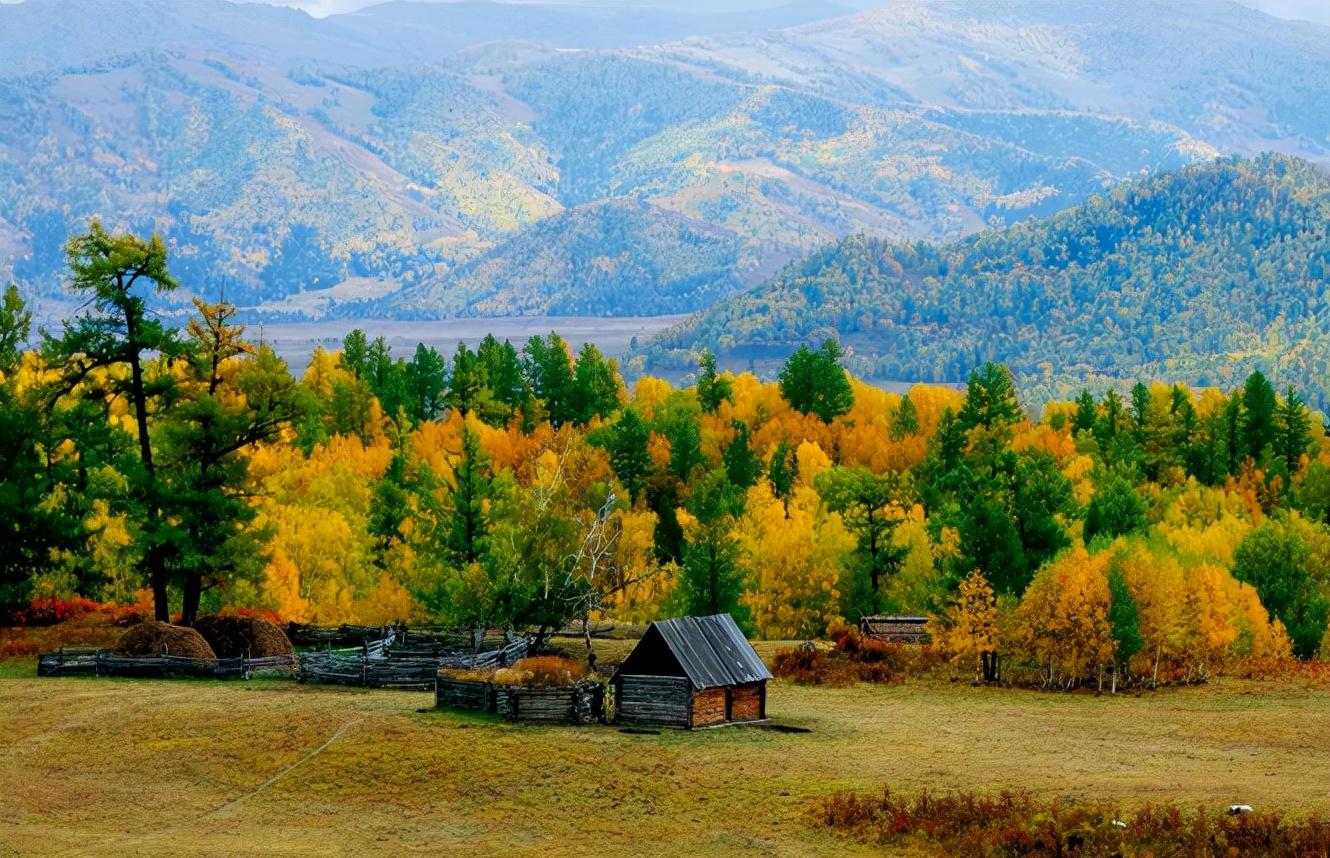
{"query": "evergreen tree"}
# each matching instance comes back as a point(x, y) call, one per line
point(1278, 562)
point(118, 329)
point(712, 389)
point(1140, 411)
point(710, 580)
point(905, 421)
point(1087, 411)
point(467, 388)
point(742, 465)
point(813, 382)
point(991, 543)
point(1292, 428)
point(37, 524)
point(1041, 495)
point(549, 372)
point(990, 399)
point(685, 447)
point(1258, 415)
point(1115, 510)
point(1109, 423)
point(627, 442)
point(355, 353)
point(595, 391)
point(466, 531)
point(228, 408)
point(1125, 618)
point(428, 382)
point(15, 325)
point(781, 472)
point(864, 500)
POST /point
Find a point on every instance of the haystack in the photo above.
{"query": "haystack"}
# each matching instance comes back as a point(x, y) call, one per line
point(243, 637)
point(152, 638)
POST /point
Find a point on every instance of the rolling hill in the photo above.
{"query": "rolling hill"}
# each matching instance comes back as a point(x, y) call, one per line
point(1199, 275)
point(419, 147)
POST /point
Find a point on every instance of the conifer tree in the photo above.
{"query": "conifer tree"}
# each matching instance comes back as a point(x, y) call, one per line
point(627, 442)
point(813, 382)
point(712, 389)
point(742, 465)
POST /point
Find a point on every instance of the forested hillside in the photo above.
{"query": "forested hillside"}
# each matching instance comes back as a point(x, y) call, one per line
point(1199, 276)
point(412, 145)
point(600, 259)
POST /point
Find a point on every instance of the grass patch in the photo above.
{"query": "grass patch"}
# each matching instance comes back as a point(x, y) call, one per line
point(112, 766)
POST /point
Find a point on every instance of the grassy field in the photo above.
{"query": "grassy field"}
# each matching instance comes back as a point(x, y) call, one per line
point(130, 766)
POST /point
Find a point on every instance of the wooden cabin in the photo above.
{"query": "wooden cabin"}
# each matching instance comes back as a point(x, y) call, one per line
point(692, 672)
point(897, 629)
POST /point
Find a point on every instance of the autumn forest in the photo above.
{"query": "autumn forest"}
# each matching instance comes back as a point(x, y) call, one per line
point(1161, 532)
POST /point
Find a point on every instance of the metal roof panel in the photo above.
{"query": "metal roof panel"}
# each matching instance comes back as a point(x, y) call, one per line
point(712, 651)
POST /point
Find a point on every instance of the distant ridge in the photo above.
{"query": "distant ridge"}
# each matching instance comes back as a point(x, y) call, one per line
point(1198, 275)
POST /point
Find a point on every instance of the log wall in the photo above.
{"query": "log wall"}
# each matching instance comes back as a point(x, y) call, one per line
point(708, 707)
point(472, 695)
point(579, 704)
point(746, 702)
point(654, 700)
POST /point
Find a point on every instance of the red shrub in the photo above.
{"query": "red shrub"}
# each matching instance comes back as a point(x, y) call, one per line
point(805, 665)
point(49, 611)
point(1022, 824)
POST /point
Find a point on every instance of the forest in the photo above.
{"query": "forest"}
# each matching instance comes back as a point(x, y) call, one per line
point(1200, 276)
point(1163, 536)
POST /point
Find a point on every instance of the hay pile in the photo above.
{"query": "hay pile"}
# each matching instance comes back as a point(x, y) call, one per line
point(152, 638)
point(243, 637)
point(543, 671)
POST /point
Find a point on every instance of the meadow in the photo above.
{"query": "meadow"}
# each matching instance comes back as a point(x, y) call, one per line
point(194, 767)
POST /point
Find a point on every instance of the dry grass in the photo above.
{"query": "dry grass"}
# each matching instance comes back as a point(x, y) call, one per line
point(121, 766)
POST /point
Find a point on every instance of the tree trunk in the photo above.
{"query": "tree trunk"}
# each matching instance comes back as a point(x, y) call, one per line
point(586, 637)
point(192, 591)
point(160, 607)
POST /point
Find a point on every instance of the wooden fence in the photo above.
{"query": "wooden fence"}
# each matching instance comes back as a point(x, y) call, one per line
point(384, 666)
point(100, 662)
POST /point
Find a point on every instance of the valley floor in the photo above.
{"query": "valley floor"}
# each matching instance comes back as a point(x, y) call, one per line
point(149, 767)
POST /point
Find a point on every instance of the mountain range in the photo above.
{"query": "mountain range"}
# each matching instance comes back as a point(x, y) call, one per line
point(422, 160)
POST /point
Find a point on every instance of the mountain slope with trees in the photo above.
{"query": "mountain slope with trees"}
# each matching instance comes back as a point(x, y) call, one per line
point(285, 155)
point(1199, 275)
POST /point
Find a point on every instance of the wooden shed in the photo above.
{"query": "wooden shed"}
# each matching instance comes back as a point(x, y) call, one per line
point(692, 672)
point(897, 629)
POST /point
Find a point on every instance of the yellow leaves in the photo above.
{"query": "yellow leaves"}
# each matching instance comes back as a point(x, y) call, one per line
point(812, 461)
point(1045, 439)
point(794, 563)
point(969, 626)
point(658, 448)
point(649, 392)
point(1062, 620)
point(642, 600)
point(1193, 615)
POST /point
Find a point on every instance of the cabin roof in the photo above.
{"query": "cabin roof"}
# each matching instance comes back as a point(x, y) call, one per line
point(711, 650)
